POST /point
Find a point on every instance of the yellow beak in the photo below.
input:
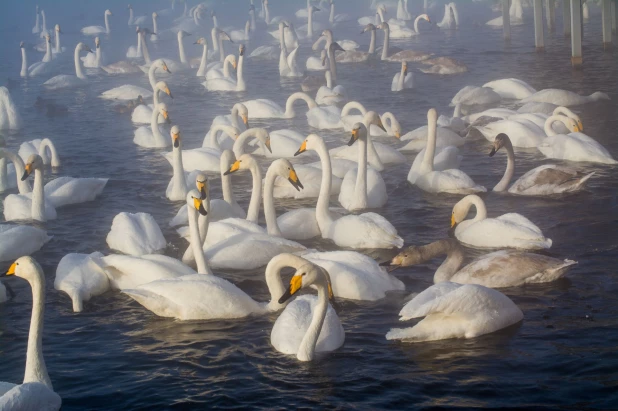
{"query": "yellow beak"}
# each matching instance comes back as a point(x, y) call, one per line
point(12, 269)
point(234, 167)
point(453, 222)
point(397, 134)
point(302, 149)
point(245, 119)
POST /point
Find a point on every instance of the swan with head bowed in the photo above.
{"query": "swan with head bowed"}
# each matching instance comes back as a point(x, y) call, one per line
point(454, 310)
point(511, 88)
point(42, 202)
point(98, 30)
point(142, 113)
point(564, 97)
point(131, 92)
point(367, 230)
point(263, 108)
point(544, 180)
point(473, 95)
point(151, 137)
point(229, 83)
point(36, 391)
point(451, 17)
point(403, 79)
point(223, 141)
point(452, 181)
point(510, 230)
point(398, 54)
point(500, 269)
point(66, 80)
point(135, 234)
point(13, 173)
point(308, 325)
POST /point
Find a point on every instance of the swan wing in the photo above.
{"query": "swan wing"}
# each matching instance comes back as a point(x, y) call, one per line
point(549, 179)
point(509, 230)
point(19, 207)
point(127, 272)
point(68, 190)
point(299, 224)
point(19, 240)
point(135, 234)
point(376, 189)
point(368, 230)
point(126, 92)
point(30, 396)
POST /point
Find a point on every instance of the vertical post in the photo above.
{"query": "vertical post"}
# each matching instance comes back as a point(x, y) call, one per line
point(539, 42)
point(607, 24)
point(506, 20)
point(550, 14)
point(576, 32)
point(425, 6)
point(566, 17)
point(614, 14)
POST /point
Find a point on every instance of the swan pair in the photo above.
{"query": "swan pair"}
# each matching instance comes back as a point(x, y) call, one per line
point(228, 83)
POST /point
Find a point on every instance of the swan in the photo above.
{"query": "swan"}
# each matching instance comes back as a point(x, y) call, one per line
point(452, 181)
point(36, 29)
point(367, 230)
point(376, 18)
point(263, 108)
point(575, 146)
point(38, 68)
point(131, 66)
point(19, 240)
point(201, 71)
point(177, 187)
point(141, 20)
point(288, 66)
point(450, 19)
point(43, 30)
point(98, 30)
point(283, 143)
point(267, 19)
point(402, 32)
point(364, 189)
point(10, 119)
point(500, 269)
point(135, 51)
point(221, 70)
point(402, 10)
point(525, 133)
point(330, 94)
point(403, 55)
point(444, 66)
point(511, 88)
point(335, 19)
point(131, 92)
point(296, 331)
point(454, 310)
point(151, 137)
point(509, 230)
point(94, 60)
point(317, 63)
point(17, 171)
point(65, 80)
point(308, 28)
point(241, 35)
point(516, 12)
point(417, 139)
point(207, 159)
point(472, 95)
point(40, 147)
point(135, 234)
point(238, 110)
point(403, 79)
point(228, 83)
point(445, 158)
point(354, 56)
point(547, 179)
point(58, 48)
point(564, 97)
point(142, 113)
point(36, 392)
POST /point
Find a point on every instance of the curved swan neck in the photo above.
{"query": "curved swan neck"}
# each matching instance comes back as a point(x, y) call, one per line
point(78, 66)
point(38, 196)
point(353, 105)
point(386, 43)
point(452, 263)
point(106, 23)
point(239, 145)
point(306, 351)
point(289, 105)
point(276, 288)
point(253, 212)
point(269, 204)
point(321, 209)
point(47, 144)
point(477, 202)
point(145, 51)
point(510, 167)
point(204, 61)
point(181, 49)
point(18, 163)
point(416, 20)
point(372, 42)
point(196, 243)
point(36, 371)
point(24, 63)
point(360, 190)
point(151, 76)
point(549, 130)
point(154, 125)
point(214, 131)
point(321, 39)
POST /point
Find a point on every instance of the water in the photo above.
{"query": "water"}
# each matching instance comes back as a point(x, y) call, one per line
point(117, 355)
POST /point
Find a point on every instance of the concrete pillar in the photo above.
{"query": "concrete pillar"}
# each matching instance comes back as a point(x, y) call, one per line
point(566, 17)
point(425, 6)
point(576, 32)
point(614, 15)
point(550, 14)
point(539, 41)
point(506, 20)
point(607, 24)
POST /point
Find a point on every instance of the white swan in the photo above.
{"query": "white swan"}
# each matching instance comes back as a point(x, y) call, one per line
point(368, 230)
point(241, 35)
point(451, 17)
point(219, 69)
point(40, 147)
point(288, 65)
point(9, 115)
point(65, 80)
point(330, 94)
point(509, 230)
point(134, 52)
point(547, 179)
point(402, 10)
point(223, 142)
point(525, 133)
point(142, 113)
point(362, 187)
point(296, 331)
point(201, 71)
point(151, 137)
point(38, 68)
point(16, 172)
point(177, 187)
point(317, 63)
point(472, 95)
point(94, 60)
point(36, 29)
point(263, 108)
point(402, 32)
point(131, 92)
point(516, 12)
point(452, 181)
point(98, 30)
point(58, 48)
point(564, 97)
point(500, 269)
point(403, 79)
point(399, 55)
point(417, 139)
point(140, 20)
point(445, 158)
point(511, 88)
point(36, 392)
point(336, 19)
point(19, 240)
point(135, 234)
point(228, 83)
point(454, 310)
point(376, 18)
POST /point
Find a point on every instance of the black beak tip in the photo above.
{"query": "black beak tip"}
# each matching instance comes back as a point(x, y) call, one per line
point(171, 96)
point(492, 152)
point(285, 296)
point(202, 210)
point(297, 153)
point(227, 173)
point(25, 176)
point(351, 142)
point(203, 194)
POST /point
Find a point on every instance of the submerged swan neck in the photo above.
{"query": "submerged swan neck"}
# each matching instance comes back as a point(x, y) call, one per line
point(36, 371)
point(510, 167)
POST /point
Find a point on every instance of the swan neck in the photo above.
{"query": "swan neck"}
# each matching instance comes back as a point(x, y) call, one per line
point(289, 105)
point(549, 130)
point(47, 144)
point(239, 145)
point(329, 80)
point(386, 43)
point(151, 76)
point(276, 288)
point(309, 23)
point(306, 351)
point(332, 64)
point(266, 13)
point(226, 182)
point(360, 191)
point(196, 242)
point(4, 182)
point(452, 263)
point(402, 77)
point(130, 16)
point(24, 63)
point(178, 169)
point(430, 149)
point(181, 49)
point(78, 66)
point(155, 97)
point(221, 51)
point(510, 168)
point(18, 163)
point(321, 209)
point(416, 20)
point(353, 105)
point(38, 196)
point(457, 111)
point(481, 210)
point(373, 152)
point(213, 36)
point(253, 212)
point(331, 17)
point(269, 204)
point(203, 62)
point(98, 57)
point(154, 125)
point(240, 79)
point(48, 54)
point(145, 51)
point(372, 42)
point(36, 371)
point(155, 27)
point(106, 23)
point(57, 42)
point(139, 46)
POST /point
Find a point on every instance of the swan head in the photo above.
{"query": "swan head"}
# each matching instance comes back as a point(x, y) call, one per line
point(175, 133)
point(314, 9)
point(162, 85)
point(334, 46)
point(282, 25)
point(410, 256)
point(241, 50)
point(358, 131)
point(567, 112)
point(201, 182)
point(286, 170)
point(460, 210)
point(129, 7)
point(27, 268)
point(48, 38)
point(262, 135)
point(84, 47)
point(22, 45)
point(194, 199)
point(181, 34)
point(305, 276)
point(224, 36)
point(312, 142)
point(162, 107)
point(162, 65)
point(371, 117)
point(202, 41)
point(425, 17)
point(500, 141)
point(383, 26)
point(155, 15)
point(34, 162)
point(404, 67)
point(108, 13)
point(243, 162)
point(368, 27)
point(57, 29)
point(327, 33)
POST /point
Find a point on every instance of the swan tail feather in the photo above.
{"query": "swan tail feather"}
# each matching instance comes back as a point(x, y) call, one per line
point(156, 303)
point(552, 273)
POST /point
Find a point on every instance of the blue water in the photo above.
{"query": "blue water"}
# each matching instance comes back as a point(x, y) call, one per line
point(117, 355)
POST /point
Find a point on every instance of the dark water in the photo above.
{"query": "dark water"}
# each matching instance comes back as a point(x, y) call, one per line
point(117, 355)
